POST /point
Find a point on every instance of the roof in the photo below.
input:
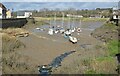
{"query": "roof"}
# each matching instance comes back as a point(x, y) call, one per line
point(2, 6)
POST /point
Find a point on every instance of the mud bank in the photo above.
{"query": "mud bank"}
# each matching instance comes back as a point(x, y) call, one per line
point(95, 59)
point(106, 33)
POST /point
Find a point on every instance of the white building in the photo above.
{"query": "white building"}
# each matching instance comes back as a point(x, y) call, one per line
point(2, 11)
point(115, 13)
point(24, 14)
point(69, 15)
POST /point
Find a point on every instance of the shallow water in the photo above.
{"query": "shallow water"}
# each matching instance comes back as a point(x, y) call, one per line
point(56, 62)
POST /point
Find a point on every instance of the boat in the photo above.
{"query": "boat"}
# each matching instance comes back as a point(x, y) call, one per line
point(21, 34)
point(50, 32)
point(79, 31)
point(44, 69)
point(67, 34)
point(37, 28)
point(56, 31)
point(62, 30)
point(72, 30)
point(73, 39)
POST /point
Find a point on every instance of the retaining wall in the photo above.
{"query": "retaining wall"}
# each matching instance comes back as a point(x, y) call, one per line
point(15, 22)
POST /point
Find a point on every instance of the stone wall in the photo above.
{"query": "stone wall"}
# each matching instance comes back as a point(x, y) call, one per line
point(15, 22)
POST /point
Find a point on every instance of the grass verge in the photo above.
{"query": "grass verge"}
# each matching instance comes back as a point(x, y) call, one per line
point(113, 47)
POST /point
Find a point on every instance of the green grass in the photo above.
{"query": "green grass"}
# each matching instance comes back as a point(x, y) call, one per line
point(113, 47)
point(109, 26)
point(108, 58)
point(41, 23)
point(90, 71)
point(94, 19)
point(86, 62)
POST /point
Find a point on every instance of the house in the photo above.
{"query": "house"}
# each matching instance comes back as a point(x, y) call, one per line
point(115, 12)
point(24, 14)
point(2, 11)
point(8, 13)
point(69, 15)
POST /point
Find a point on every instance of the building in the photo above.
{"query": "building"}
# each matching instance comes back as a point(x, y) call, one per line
point(8, 13)
point(69, 15)
point(2, 11)
point(24, 14)
point(115, 12)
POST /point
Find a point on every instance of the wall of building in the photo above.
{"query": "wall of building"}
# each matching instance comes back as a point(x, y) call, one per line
point(3, 12)
point(16, 22)
point(0, 12)
point(8, 13)
point(28, 14)
point(20, 16)
point(24, 14)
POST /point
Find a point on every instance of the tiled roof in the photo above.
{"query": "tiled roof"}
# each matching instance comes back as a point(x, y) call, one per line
point(2, 6)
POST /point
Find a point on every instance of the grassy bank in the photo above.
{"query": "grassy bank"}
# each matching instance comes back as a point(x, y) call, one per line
point(106, 33)
point(113, 47)
point(67, 19)
point(10, 44)
point(38, 22)
point(12, 61)
point(13, 31)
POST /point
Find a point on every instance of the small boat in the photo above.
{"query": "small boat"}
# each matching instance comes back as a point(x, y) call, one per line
point(73, 39)
point(56, 31)
point(79, 30)
point(72, 30)
point(62, 30)
point(22, 34)
point(50, 32)
point(37, 28)
point(44, 69)
point(68, 33)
